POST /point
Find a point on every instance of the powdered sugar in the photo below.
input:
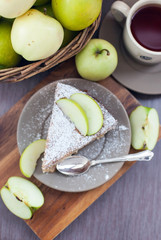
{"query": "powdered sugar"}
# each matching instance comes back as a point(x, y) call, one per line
point(63, 138)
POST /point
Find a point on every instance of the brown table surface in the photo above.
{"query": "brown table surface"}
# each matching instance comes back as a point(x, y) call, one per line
point(129, 210)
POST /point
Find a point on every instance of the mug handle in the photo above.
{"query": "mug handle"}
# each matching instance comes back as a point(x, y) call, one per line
point(120, 11)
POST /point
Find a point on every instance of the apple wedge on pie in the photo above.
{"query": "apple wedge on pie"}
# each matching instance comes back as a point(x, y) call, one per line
point(77, 119)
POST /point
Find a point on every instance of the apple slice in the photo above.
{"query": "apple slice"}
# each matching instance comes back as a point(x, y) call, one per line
point(22, 197)
point(30, 156)
point(75, 113)
point(26, 191)
point(145, 127)
point(92, 110)
point(17, 207)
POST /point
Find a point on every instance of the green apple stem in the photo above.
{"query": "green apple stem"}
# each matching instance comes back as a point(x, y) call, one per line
point(45, 11)
point(100, 51)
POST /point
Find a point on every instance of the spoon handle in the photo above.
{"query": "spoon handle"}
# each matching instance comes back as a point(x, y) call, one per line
point(140, 156)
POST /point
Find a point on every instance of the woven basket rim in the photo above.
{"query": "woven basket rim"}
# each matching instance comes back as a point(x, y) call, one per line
point(17, 74)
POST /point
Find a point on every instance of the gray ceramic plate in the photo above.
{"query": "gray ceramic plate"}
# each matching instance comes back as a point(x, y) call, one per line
point(133, 75)
point(34, 121)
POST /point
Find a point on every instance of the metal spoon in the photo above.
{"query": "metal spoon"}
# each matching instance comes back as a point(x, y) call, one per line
point(75, 165)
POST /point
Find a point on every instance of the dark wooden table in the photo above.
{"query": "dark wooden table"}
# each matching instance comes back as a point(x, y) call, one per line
point(129, 210)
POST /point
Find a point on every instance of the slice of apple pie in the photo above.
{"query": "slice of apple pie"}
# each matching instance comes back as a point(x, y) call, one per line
point(64, 137)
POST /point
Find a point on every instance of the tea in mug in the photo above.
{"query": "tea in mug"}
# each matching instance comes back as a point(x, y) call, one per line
point(146, 27)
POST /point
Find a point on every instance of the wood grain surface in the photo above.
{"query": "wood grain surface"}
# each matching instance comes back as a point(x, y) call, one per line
point(60, 208)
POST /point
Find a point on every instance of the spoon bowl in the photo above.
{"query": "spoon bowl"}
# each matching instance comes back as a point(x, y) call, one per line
point(76, 165)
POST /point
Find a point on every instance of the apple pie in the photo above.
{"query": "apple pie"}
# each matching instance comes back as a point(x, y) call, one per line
point(63, 137)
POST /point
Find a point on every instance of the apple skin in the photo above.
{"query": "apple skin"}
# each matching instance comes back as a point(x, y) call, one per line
point(46, 9)
point(14, 8)
point(8, 57)
point(41, 2)
point(76, 15)
point(68, 35)
point(97, 60)
point(36, 36)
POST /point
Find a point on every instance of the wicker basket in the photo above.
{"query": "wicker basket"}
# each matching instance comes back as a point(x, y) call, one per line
point(17, 74)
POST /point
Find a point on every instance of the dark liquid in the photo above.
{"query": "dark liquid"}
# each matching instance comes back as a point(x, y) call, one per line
point(146, 27)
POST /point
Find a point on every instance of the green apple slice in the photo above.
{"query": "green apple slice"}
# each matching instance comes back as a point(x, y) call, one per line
point(144, 127)
point(92, 110)
point(75, 113)
point(17, 207)
point(21, 197)
point(30, 156)
point(26, 191)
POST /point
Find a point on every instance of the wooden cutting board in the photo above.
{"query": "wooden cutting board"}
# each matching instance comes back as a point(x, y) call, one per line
point(60, 208)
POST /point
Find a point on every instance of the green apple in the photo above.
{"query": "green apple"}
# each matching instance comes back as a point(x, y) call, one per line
point(68, 36)
point(30, 156)
point(41, 2)
point(97, 60)
point(92, 110)
point(46, 9)
point(8, 57)
point(14, 8)
point(21, 197)
point(36, 36)
point(76, 15)
point(9, 20)
point(75, 113)
point(144, 127)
